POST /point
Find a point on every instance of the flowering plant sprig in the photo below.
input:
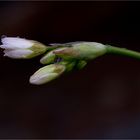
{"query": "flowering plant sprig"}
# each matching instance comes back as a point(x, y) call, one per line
point(58, 58)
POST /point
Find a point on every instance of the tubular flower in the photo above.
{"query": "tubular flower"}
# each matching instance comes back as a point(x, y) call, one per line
point(19, 48)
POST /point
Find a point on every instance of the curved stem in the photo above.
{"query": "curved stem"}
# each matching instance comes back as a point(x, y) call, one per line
point(122, 51)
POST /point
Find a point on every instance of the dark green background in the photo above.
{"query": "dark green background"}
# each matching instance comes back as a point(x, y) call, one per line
point(100, 101)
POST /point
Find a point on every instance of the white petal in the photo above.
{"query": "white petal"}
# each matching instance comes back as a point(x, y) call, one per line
point(7, 47)
point(15, 43)
point(20, 53)
point(41, 79)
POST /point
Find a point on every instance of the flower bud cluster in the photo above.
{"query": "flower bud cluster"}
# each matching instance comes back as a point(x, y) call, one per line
point(58, 58)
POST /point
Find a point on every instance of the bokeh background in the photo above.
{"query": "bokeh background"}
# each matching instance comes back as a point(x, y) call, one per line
point(100, 101)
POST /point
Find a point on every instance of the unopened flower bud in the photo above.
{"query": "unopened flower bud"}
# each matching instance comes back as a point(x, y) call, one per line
point(48, 58)
point(47, 74)
point(81, 64)
point(20, 48)
point(69, 65)
point(81, 50)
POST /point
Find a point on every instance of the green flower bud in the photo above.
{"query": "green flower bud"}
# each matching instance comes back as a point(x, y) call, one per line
point(48, 58)
point(81, 64)
point(81, 50)
point(47, 74)
point(69, 65)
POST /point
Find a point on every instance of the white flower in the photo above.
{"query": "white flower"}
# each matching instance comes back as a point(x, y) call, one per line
point(16, 47)
point(47, 74)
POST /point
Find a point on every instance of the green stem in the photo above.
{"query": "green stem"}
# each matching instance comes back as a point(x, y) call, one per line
point(123, 51)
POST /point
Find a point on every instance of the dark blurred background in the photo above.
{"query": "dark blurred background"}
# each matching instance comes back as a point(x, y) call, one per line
point(100, 101)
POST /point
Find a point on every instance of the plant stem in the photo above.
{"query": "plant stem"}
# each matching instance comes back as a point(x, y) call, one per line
point(123, 51)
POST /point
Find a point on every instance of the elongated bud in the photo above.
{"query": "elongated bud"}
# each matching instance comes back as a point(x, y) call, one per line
point(48, 58)
point(81, 64)
point(47, 74)
point(19, 48)
point(81, 50)
point(69, 65)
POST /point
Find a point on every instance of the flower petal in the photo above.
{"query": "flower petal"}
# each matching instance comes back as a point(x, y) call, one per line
point(15, 43)
point(20, 53)
point(7, 47)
